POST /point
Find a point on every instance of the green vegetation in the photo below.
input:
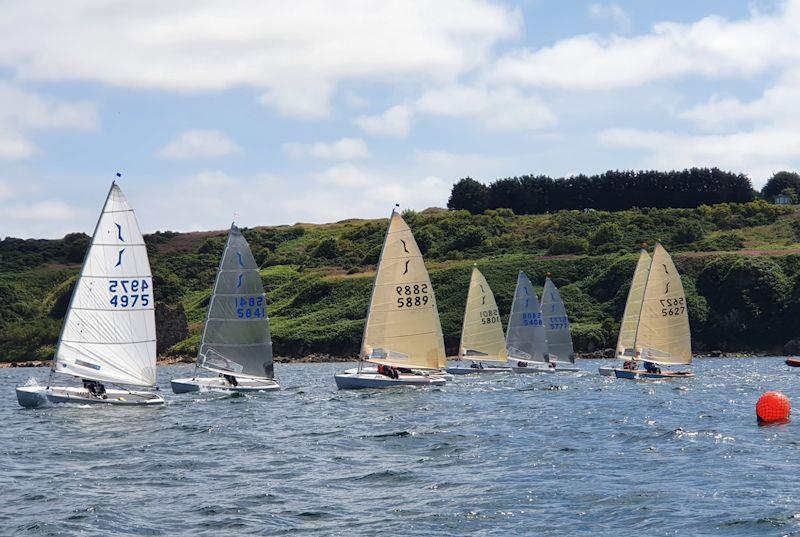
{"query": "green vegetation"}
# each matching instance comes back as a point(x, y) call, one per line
point(740, 262)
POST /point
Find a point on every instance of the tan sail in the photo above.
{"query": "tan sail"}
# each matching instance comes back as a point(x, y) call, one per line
point(403, 327)
point(663, 335)
point(482, 336)
point(633, 307)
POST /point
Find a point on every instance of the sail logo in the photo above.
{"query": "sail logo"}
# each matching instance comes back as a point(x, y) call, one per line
point(119, 232)
point(119, 259)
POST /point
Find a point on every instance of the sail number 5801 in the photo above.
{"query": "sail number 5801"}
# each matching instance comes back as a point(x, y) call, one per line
point(410, 296)
point(673, 306)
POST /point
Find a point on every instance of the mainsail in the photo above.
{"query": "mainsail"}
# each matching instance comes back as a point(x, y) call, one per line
point(236, 338)
point(482, 332)
point(109, 331)
point(663, 334)
point(633, 307)
point(525, 338)
point(403, 327)
point(556, 325)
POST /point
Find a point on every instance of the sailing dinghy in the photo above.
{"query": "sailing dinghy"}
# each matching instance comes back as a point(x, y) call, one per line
point(402, 334)
point(109, 332)
point(236, 340)
point(630, 317)
point(526, 345)
point(482, 338)
point(556, 329)
point(662, 331)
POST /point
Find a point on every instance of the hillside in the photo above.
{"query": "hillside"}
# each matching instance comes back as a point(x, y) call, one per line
point(740, 263)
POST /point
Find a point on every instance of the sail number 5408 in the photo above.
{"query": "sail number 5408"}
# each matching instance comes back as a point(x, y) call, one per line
point(410, 296)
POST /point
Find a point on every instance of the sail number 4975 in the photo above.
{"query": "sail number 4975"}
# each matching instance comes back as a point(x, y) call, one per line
point(412, 296)
point(129, 293)
point(673, 306)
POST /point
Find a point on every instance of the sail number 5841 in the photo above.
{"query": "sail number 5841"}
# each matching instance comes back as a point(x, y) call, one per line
point(673, 306)
point(410, 296)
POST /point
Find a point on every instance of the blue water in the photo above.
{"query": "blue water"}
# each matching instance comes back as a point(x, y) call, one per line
point(505, 455)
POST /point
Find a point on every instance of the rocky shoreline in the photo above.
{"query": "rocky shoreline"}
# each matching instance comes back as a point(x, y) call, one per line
point(603, 354)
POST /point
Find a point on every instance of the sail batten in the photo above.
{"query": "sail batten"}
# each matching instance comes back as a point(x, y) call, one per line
point(525, 337)
point(482, 330)
point(556, 325)
point(663, 334)
point(108, 333)
point(402, 327)
point(236, 337)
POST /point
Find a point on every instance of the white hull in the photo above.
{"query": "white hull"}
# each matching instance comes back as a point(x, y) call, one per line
point(196, 384)
point(606, 371)
point(525, 366)
point(533, 370)
point(354, 381)
point(36, 396)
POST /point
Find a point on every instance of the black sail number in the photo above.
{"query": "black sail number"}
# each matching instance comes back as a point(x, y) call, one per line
point(671, 307)
point(491, 316)
point(415, 295)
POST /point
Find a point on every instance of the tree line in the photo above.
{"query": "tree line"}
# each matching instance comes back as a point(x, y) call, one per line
point(609, 191)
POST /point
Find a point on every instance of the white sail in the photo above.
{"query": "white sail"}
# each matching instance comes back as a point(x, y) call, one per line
point(556, 325)
point(403, 327)
point(109, 331)
point(663, 335)
point(633, 307)
point(482, 331)
point(525, 338)
point(236, 338)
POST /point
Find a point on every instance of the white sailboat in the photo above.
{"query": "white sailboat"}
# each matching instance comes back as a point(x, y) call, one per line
point(556, 329)
point(236, 340)
point(108, 335)
point(662, 332)
point(630, 317)
point(526, 344)
point(402, 334)
point(482, 338)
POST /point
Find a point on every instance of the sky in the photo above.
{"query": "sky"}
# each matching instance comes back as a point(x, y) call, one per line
point(277, 112)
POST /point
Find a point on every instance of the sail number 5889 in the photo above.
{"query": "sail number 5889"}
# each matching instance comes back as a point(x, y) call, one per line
point(410, 296)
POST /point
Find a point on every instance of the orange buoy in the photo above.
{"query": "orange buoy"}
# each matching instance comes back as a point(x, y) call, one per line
point(773, 407)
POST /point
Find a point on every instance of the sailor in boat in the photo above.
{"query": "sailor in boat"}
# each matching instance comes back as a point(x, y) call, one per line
point(95, 388)
point(522, 364)
point(650, 367)
point(231, 380)
point(476, 365)
point(629, 365)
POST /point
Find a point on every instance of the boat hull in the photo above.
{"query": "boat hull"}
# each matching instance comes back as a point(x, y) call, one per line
point(525, 366)
point(356, 381)
point(439, 373)
point(793, 362)
point(641, 374)
point(196, 384)
point(475, 370)
point(37, 396)
point(606, 371)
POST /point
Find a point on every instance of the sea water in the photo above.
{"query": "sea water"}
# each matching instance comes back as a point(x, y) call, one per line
point(565, 454)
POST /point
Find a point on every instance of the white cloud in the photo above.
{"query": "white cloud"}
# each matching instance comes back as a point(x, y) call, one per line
point(345, 175)
point(342, 149)
point(503, 108)
point(42, 210)
point(23, 113)
point(5, 192)
point(614, 13)
point(199, 143)
point(296, 53)
point(394, 122)
point(711, 47)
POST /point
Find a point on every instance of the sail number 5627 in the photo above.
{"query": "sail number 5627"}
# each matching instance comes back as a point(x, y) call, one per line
point(410, 296)
point(673, 306)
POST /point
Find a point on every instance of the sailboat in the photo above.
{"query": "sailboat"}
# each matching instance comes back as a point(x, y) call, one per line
point(556, 329)
point(402, 334)
point(526, 344)
point(630, 317)
point(662, 332)
point(109, 332)
point(236, 340)
point(482, 338)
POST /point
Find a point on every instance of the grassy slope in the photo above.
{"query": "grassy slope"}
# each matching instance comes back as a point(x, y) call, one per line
point(318, 277)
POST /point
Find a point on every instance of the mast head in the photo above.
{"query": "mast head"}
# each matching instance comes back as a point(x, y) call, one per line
point(114, 182)
point(396, 208)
